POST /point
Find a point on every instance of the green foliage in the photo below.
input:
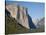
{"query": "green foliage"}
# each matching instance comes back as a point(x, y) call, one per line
point(13, 27)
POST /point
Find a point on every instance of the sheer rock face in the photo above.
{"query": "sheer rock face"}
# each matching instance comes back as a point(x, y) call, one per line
point(13, 10)
point(31, 24)
point(19, 13)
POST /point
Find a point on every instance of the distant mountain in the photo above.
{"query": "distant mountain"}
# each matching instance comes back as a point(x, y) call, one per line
point(35, 21)
point(41, 23)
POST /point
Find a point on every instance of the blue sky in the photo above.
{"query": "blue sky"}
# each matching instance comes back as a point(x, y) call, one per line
point(35, 9)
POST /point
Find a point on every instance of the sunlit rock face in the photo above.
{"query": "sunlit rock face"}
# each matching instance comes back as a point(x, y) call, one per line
point(13, 10)
point(19, 13)
point(23, 17)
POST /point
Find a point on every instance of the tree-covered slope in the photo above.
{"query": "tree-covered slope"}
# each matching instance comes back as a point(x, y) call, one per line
point(12, 26)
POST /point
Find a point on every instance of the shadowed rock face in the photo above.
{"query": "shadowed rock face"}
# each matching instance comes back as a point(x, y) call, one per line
point(7, 13)
point(31, 24)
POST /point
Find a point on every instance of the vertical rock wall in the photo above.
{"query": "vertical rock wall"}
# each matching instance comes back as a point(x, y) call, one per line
point(19, 13)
